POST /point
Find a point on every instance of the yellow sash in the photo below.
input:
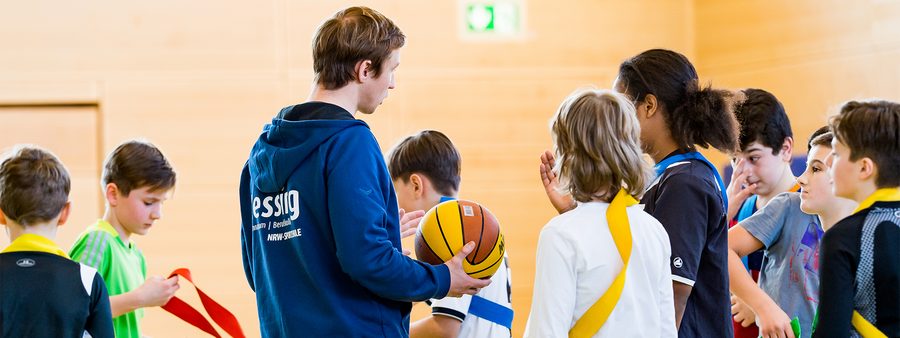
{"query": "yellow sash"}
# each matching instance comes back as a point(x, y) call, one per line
point(620, 229)
point(866, 329)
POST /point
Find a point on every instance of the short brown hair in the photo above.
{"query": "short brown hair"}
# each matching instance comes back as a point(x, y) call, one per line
point(872, 129)
point(34, 186)
point(353, 35)
point(598, 147)
point(820, 137)
point(430, 153)
point(137, 164)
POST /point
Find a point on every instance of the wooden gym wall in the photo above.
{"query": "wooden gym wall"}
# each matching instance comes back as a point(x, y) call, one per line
point(200, 78)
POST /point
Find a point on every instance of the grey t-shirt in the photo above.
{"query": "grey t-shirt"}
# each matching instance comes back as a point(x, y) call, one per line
point(790, 269)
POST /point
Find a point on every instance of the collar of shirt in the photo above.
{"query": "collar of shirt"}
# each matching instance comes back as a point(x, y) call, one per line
point(106, 227)
point(32, 242)
point(880, 195)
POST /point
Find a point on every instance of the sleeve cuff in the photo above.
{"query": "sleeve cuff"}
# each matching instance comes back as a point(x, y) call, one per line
point(443, 281)
point(683, 280)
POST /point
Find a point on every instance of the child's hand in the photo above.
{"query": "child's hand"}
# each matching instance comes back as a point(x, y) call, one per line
point(738, 191)
point(561, 202)
point(742, 313)
point(409, 222)
point(157, 291)
point(460, 282)
point(773, 322)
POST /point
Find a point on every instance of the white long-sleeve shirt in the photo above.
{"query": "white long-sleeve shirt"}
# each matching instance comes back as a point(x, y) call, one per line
point(577, 261)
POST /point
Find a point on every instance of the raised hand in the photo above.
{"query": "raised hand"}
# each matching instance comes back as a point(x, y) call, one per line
point(562, 202)
point(738, 190)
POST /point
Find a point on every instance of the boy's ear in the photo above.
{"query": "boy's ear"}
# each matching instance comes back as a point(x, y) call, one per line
point(112, 194)
point(418, 185)
point(2, 218)
point(787, 149)
point(64, 213)
point(867, 169)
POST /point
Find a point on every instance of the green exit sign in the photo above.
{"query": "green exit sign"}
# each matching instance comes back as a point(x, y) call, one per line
point(491, 19)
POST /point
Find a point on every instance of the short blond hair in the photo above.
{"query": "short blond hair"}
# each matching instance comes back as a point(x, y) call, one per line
point(596, 138)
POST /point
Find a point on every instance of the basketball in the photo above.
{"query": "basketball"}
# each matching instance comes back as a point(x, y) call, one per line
point(448, 226)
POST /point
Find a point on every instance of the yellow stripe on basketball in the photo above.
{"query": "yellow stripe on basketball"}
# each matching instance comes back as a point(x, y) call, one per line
point(489, 266)
point(449, 223)
point(433, 237)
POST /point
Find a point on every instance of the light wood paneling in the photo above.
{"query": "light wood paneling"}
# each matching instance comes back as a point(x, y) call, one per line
point(813, 56)
point(71, 134)
point(200, 79)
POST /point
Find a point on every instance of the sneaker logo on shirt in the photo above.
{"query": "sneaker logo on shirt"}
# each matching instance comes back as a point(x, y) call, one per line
point(25, 262)
point(677, 262)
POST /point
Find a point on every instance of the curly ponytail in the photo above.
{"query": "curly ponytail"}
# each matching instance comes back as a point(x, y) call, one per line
point(704, 119)
point(695, 116)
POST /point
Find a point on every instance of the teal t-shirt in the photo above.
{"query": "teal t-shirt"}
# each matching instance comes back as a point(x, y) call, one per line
point(790, 268)
point(121, 264)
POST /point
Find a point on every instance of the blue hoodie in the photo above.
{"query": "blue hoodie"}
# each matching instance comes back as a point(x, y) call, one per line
point(320, 231)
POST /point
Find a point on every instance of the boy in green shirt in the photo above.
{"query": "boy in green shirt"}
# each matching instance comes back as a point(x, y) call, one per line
point(137, 179)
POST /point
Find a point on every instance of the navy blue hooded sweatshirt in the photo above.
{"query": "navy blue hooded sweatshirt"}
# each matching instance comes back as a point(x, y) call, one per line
point(320, 231)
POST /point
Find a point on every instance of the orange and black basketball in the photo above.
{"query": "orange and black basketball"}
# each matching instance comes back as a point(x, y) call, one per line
point(450, 225)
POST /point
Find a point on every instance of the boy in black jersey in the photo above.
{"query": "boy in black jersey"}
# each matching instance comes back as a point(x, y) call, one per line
point(43, 293)
point(860, 255)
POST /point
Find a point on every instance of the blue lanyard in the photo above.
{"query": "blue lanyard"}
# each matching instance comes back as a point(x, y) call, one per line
point(662, 166)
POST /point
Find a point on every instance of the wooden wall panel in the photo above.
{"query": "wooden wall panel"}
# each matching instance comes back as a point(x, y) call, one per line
point(71, 134)
point(103, 36)
point(201, 79)
point(813, 56)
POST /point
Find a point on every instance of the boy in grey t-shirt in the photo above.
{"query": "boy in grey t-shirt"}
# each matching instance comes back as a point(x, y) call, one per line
point(790, 229)
point(790, 269)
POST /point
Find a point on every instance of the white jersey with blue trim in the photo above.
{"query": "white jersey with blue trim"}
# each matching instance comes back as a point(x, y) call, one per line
point(499, 291)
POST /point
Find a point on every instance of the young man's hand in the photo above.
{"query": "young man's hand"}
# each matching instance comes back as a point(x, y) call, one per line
point(742, 312)
point(409, 222)
point(157, 291)
point(773, 322)
point(460, 282)
point(738, 190)
point(562, 202)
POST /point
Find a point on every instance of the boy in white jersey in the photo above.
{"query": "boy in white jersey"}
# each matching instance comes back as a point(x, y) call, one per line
point(425, 168)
